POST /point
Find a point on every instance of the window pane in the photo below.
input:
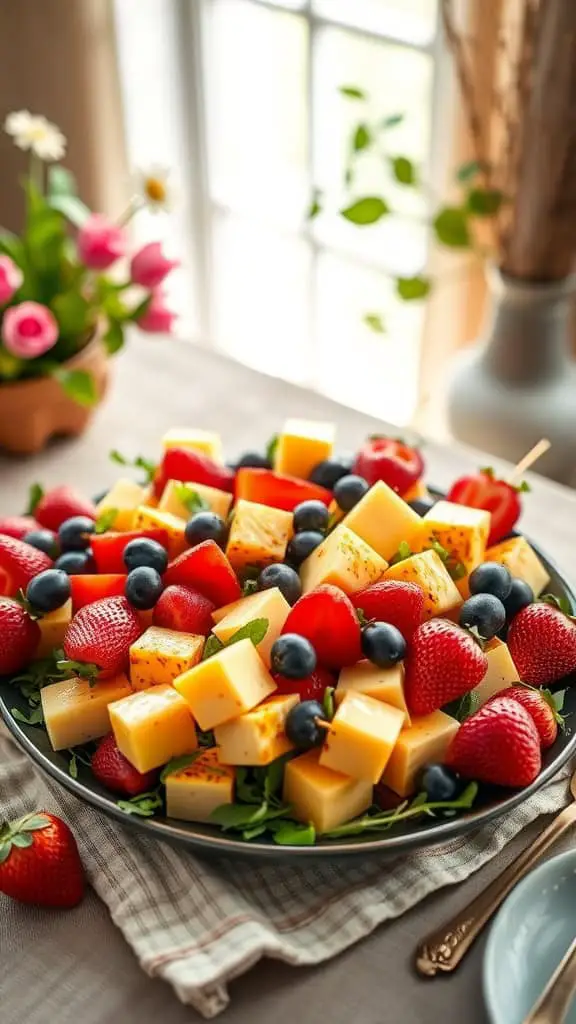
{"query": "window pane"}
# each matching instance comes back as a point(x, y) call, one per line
point(257, 75)
point(376, 373)
point(261, 284)
point(410, 20)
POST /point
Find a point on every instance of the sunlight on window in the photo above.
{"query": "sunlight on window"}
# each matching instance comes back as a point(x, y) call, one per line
point(411, 20)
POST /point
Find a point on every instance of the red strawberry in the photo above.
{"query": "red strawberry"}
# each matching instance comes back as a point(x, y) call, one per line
point(401, 604)
point(17, 526)
point(205, 568)
point(101, 634)
point(326, 617)
point(115, 772)
point(19, 563)
point(184, 609)
point(19, 637)
point(39, 862)
point(542, 642)
point(310, 688)
point(444, 662)
point(191, 467)
point(108, 548)
point(89, 588)
point(60, 504)
point(499, 744)
point(498, 497)
point(540, 705)
point(390, 460)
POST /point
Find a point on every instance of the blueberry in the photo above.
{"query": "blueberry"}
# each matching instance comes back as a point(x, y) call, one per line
point(48, 590)
point(422, 505)
point(285, 578)
point(205, 526)
point(311, 515)
point(302, 545)
point(483, 613)
point(76, 563)
point(74, 533)
point(330, 471)
point(43, 540)
point(349, 490)
point(293, 656)
point(143, 587)
point(491, 578)
point(439, 783)
point(383, 644)
point(147, 552)
point(253, 460)
point(520, 596)
point(301, 727)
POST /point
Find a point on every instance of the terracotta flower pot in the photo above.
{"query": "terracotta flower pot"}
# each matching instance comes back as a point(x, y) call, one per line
point(33, 411)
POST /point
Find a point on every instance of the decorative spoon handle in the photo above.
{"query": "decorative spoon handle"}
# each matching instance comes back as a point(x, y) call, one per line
point(555, 1000)
point(444, 948)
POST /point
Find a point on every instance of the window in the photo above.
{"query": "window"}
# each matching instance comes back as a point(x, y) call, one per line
point(246, 105)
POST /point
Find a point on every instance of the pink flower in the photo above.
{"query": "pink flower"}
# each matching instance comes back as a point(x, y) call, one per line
point(29, 330)
point(149, 266)
point(100, 242)
point(158, 318)
point(11, 278)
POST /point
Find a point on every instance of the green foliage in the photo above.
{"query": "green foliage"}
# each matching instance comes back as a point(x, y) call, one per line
point(375, 322)
point(451, 227)
point(484, 202)
point(78, 385)
point(366, 211)
point(410, 288)
point(404, 170)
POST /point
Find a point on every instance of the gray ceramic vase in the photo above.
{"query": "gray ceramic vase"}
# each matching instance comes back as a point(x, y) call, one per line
point(518, 383)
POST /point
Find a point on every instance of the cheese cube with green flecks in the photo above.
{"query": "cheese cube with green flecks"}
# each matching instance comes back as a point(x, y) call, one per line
point(522, 561)
point(344, 560)
point(259, 534)
point(123, 499)
point(429, 573)
point(194, 791)
point(145, 518)
point(183, 500)
point(159, 655)
point(460, 530)
point(259, 736)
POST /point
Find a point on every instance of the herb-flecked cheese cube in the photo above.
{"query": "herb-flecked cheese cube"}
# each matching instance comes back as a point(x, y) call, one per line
point(461, 530)
point(302, 445)
point(153, 726)
point(159, 655)
point(145, 517)
point(123, 498)
point(75, 712)
point(361, 737)
point(265, 604)
point(192, 793)
point(257, 737)
point(210, 497)
point(425, 742)
point(522, 561)
point(259, 535)
point(205, 441)
point(385, 684)
point(226, 685)
point(383, 520)
point(430, 574)
point(321, 796)
point(343, 559)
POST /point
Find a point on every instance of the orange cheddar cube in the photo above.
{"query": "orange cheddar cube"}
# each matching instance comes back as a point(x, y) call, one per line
point(259, 534)
point(183, 500)
point(145, 518)
point(52, 629)
point(159, 655)
point(302, 445)
point(265, 604)
point(75, 712)
point(425, 742)
point(361, 737)
point(259, 736)
point(343, 559)
point(192, 793)
point(383, 520)
point(153, 726)
point(122, 499)
point(385, 684)
point(427, 570)
point(321, 796)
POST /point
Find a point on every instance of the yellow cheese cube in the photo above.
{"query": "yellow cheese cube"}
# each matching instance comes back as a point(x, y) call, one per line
point(153, 726)
point(462, 531)
point(321, 796)
point(216, 500)
point(159, 655)
point(226, 685)
point(145, 517)
point(205, 441)
point(52, 629)
point(385, 684)
point(259, 534)
point(75, 712)
point(425, 742)
point(383, 520)
point(500, 674)
point(125, 497)
point(430, 574)
point(522, 561)
point(194, 792)
point(361, 737)
point(302, 445)
point(418, 492)
point(149, 497)
point(343, 559)
point(266, 604)
point(258, 737)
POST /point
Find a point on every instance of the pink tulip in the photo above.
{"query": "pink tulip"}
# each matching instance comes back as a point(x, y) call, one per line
point(29, 330)
point(158, 318)
point(149, 266)
point(11, 278)
point(100, 242)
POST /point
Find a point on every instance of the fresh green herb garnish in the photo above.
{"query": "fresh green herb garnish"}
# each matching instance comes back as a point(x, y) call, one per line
point(147, 467)
point(563, 603)
point(106, 520)
point(328, 703)
point(254, 631)
point(190, 498)
point(83, 669)
point(292, 833)
point(404, 551)
point(78, 755)
point(36, 716)
point(249, 587)
point(178, 764)
point(383, 820)
point(211, 647)
point(35, 495)
point(145, 805)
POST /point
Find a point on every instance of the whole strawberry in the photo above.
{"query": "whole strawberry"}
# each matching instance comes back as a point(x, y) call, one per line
point(541, 707)
point(101, 635)
point(19, 563)
point(39, 862)
point(499, 744)
point(19, 637)
point(62, 503)
point(326, 617)
point(444, 662)
point(542, 642)
point(185, 610)
point(116, 773)
point(17, 526)
point(401, 604)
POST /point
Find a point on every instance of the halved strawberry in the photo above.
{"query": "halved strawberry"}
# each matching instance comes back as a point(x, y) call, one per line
point(484, 490)
point(394, 601)
point(17, 526)
point(326, 617)
point(185, 610)
point(191, 467)
point(62, 503)
point(19, 563)
point(266, 487)
point(101, 635)
point(312, 687)
point(540, 705)
point(205, 568)
point(90, 588)
point(116, 773)
point(108, 548)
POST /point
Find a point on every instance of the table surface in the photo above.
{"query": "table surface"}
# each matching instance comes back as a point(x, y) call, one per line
point(87, 971)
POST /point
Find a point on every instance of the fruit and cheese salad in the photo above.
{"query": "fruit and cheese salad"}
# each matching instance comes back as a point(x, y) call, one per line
point(295, 646)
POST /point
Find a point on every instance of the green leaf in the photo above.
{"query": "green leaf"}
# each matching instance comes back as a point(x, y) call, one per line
point(106, 520)
point(249, 586)
point(188, 495)
point(144, 806)
point(484, 202)
point(410, 288)
point(366, 211)
point(78, 385)
point(22, 839)
point(33, 823)
point(254, 631)
point(12, 246)
point(384, 820)
point(72, 208)
point(178, 764)
point(211, 647)
point(293, 834)
point(140, 309)
point(274, 775)
point(559, 698)
point(374, 322)
point(206, 738)
point(563, 603)
point(72, 312)
point(451, 227)
point(461, 708)
point(36, 717)
point(523, 487)
point(271, 448)
point(404, 551)
point(403, 169)
point(148, 467)
point(391, 121)
point(361, 138)
point(328, 703)
point(114, 337)
point(61, 182)
point(35, 495)
point(238, 816)
point(253, 833)
point(73, 767)
point(315, 205)
point(352, 92)
point(469, 170)
point(247, 789)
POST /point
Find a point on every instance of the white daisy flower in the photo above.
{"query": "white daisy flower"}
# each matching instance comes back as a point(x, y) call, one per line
point(36, 133)
point(153, 186)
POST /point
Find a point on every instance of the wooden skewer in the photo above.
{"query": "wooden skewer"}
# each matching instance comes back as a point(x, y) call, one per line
point(323, 723)
point(529, 459)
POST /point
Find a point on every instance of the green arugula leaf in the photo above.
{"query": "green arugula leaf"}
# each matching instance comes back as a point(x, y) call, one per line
point(238, 816)
point(106, 520)
point(36, 717)
point(461, 708)
point(254, 631)
point(77, 385)
point(328, 703)
point(144, 806)
point(190, 498)
point(177, 764)
point(384, 820)
point(273, 777)
point(253, 833)
point(352, 92)
point(271, 448)
point(35, 495)
point(404, 551)
point(211, 647)
point(69, 668)
point(73, 767)
point(375, 322)
point(149, 468)
point(247, 789)
point(366, 211)
point(294, 834)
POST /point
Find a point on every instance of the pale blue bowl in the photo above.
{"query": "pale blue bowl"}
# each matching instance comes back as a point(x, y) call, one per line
point(528, 939)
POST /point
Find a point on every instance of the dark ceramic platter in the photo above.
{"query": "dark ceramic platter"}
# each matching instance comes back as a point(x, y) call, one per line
point(490, 804)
